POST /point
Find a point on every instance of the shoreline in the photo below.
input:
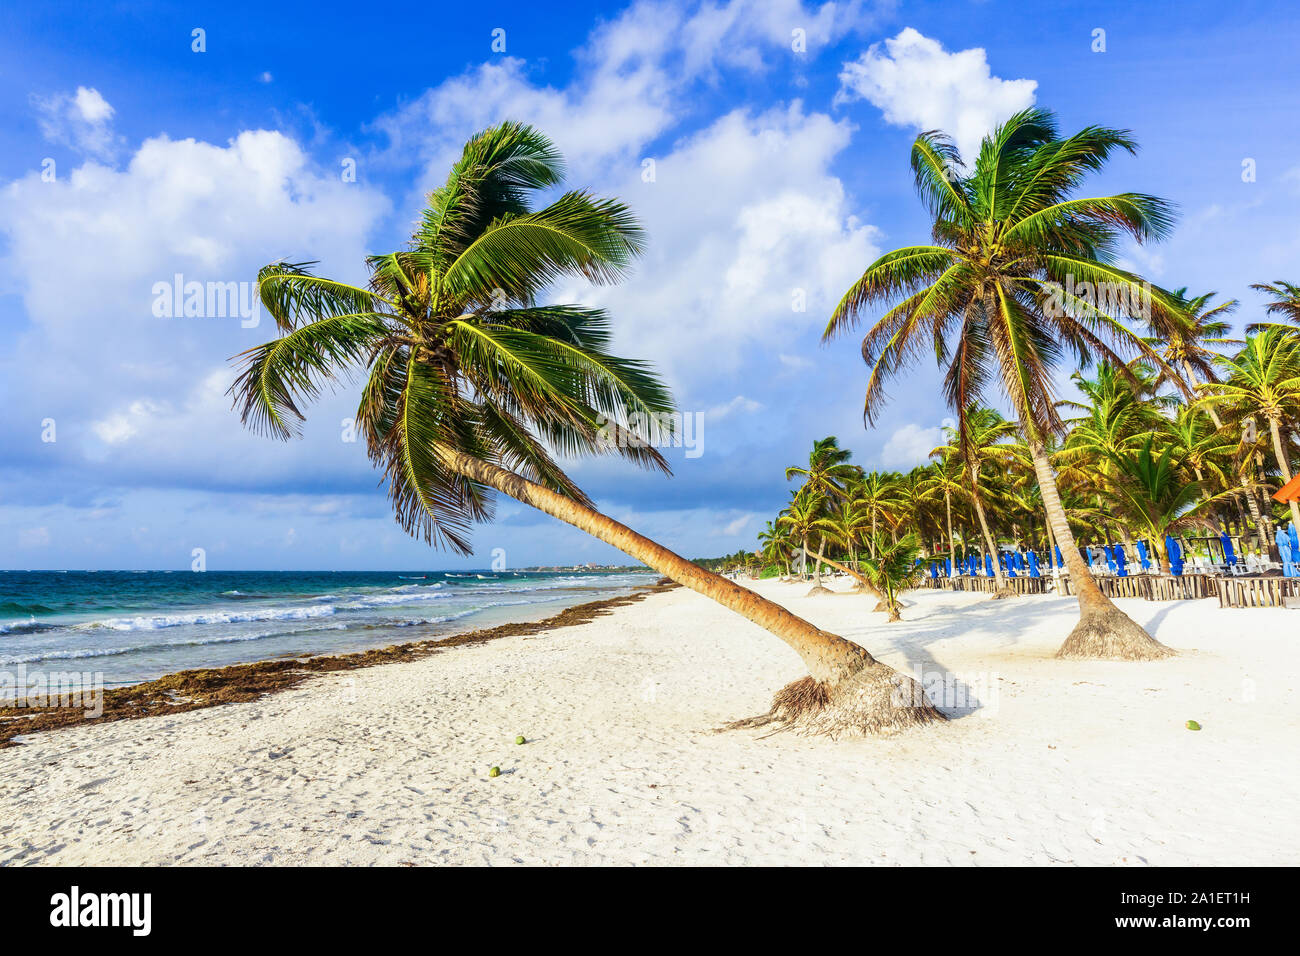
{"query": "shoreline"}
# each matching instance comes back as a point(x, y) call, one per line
point(205, 687)
point(1043, 762)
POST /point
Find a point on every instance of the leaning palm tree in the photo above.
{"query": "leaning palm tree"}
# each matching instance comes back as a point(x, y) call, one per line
point(1019, 275)
point(470, 383)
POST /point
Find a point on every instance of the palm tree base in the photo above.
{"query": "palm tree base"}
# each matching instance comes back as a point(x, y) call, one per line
point(876, 701)
point(818, 590)
point(1003, 593)
point(1110, 634)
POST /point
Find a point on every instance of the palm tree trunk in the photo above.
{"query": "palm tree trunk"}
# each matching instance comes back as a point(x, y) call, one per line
point(948, 507)
point(1103, 631)
point(1252, 504)
point(847, 693)
point(1283, 463)
point(988, 537)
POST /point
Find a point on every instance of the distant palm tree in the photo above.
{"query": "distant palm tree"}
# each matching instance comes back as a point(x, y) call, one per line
point(800, 517)
point(1019, 275)
point(1158, 501)
point(892, 568)
point(1286, 302)
point(982, 450)
point(945, 479)
point(1264, 379)
point(776, 546)
point(828, 473)
point(1191, 347)
point(469, 380)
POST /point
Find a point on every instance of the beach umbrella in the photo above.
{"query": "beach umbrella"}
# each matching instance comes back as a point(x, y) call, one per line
point(1142, 556)
point(947, 566)
point(1110, 557)
point(972, 565)
point(934, 571)
point(1228, 554)
point(1087, 550)
point(988, 566)
point(1175, 554)
point(1295, 541)
point(1121, 561)
point(1033, 566)
point(1283, 541)
point(1060, 561)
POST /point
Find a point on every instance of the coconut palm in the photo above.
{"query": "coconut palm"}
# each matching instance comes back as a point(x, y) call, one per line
point(1191, 346)
point(469, 382)
point(1286, 302)
point(876, 495)
point(1155, 498)
point(776, 546)
point(980, 444)
point(1264, 379)
point(891, 567)
point(828, 473)
point(1020, 274)
point(945, 479)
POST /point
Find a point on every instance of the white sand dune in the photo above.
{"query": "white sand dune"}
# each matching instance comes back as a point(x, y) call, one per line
point(1056, 763)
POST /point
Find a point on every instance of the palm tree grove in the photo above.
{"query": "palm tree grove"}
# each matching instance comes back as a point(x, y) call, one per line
point(472, 387)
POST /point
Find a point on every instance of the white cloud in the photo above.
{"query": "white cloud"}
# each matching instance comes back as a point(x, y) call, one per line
point(916, 82)
point(80, 120)
point(740, 216)
point(736, 527)
point(128, 389)
point(738, 404)
point(92, 106)
point(910, 446)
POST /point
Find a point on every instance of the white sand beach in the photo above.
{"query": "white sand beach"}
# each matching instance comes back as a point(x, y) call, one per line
point(1058, 763)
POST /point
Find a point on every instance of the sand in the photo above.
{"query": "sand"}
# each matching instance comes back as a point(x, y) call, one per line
point(1047, 762)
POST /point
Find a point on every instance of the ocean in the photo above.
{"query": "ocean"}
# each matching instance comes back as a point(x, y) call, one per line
point(133, 626)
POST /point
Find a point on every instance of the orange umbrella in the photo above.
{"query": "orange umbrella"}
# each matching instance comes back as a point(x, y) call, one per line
point(1290, 491)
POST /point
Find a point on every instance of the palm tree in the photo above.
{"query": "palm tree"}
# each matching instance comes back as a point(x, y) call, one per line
point(1155, 498)
point(469, 381)
point(945, 479)
point(1264, 379)
point(876, 494)
point(891, 567)
point(995, 297)
point(776, 546)
point(981, 449)
point(1286, 302)
point(1190, 346)
point(828, 473)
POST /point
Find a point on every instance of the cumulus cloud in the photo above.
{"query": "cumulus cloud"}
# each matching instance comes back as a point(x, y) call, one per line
point(910, 446)
point(916, 82)
point(82, 120)
point(136, 393)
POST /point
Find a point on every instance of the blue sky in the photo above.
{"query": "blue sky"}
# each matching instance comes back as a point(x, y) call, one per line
point(126, 158)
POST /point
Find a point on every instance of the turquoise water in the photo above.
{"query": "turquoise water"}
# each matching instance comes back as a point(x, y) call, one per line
point(133, 626)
